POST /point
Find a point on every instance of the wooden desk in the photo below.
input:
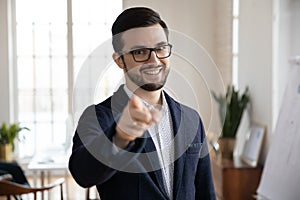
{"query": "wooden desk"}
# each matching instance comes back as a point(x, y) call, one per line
point(234, 181)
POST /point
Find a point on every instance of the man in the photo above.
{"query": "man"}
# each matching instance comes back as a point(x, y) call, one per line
point(126, 146)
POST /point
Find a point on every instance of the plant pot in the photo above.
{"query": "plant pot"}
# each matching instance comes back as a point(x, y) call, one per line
point(5, 152)
point(227, 146)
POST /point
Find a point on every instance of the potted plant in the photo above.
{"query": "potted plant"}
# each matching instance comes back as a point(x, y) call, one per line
point(231, 108)
point(8, 133)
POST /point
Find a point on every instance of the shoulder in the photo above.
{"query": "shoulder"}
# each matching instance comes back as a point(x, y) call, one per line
point(114, 103)
point(106, 104)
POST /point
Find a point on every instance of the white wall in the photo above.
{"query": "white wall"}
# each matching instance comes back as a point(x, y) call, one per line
point(255, 60)
point(194, 17)
point(269, 36)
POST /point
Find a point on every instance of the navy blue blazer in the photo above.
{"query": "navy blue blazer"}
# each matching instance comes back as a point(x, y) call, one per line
point(93, 162)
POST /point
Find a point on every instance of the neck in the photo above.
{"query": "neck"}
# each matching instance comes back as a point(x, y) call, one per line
point(151, 97)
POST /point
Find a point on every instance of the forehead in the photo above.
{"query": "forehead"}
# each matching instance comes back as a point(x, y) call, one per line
point(144, 37)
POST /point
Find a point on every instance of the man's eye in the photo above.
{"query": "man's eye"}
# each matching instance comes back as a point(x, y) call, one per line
point(161, 48)
point(140, 52)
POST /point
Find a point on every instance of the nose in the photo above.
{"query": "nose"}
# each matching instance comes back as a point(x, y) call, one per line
point(153, 58)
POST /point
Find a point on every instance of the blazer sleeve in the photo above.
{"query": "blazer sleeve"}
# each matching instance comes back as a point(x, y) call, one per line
point(92, 160)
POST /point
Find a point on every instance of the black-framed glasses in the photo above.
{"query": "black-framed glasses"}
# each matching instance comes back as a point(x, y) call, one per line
point(144, 54)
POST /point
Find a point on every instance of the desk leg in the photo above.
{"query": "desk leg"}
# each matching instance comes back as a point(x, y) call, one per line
point(42, 182)
point(67, 185)
point(49, 181)
point(42, 178)
point(34, 178)
point(49, 177)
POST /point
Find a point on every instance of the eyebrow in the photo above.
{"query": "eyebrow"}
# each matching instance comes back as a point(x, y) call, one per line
point(141, 46)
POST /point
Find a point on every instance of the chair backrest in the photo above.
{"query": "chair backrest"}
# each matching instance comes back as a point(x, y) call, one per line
point(9, 188)
point(6, 177)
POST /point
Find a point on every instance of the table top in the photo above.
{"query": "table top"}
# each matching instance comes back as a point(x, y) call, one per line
point(50, 159)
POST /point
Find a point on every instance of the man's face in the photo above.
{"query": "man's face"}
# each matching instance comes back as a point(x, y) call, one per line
point(150, 74)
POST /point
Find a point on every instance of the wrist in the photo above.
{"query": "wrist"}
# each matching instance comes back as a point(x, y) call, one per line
point(121, 139)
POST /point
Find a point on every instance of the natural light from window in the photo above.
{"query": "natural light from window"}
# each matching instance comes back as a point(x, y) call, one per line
point(48, 60)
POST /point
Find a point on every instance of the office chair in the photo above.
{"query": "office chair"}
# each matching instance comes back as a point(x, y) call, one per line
point(9, 187)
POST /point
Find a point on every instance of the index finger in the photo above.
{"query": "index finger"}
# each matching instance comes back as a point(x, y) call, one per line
point(136, 102)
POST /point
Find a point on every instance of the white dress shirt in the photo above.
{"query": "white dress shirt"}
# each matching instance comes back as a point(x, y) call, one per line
point(162, 136)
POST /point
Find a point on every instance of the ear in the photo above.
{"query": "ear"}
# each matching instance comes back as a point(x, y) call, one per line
point(118, 60)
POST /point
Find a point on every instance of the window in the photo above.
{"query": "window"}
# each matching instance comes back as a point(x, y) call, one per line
point(53, 38)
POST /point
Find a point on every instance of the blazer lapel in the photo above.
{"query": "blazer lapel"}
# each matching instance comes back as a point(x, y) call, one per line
point(154, 161)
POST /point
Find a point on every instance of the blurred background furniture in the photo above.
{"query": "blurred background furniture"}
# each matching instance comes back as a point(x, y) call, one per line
point(9, 187)
point(235, 180)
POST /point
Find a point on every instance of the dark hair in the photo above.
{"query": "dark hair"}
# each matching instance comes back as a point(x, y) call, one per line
point(133, 18)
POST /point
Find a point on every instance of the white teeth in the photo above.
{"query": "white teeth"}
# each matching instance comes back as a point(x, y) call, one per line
point(152, 71)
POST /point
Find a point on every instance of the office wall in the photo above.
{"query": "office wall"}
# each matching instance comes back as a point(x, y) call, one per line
point(194, 17)
point(255, 60)
point(269, 36)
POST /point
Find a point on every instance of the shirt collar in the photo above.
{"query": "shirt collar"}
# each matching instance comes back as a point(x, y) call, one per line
point(130, 94)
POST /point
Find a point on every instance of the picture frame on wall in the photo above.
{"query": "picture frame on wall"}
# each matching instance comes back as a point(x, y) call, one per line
point(253, 144)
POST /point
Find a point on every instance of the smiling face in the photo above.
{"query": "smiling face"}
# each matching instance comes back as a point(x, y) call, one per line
point(150, 74)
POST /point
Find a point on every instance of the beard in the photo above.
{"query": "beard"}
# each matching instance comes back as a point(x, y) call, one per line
point(138, 77)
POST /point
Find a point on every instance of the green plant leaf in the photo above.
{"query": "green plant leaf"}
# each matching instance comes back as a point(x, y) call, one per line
point(8, 135)
point(234, 106)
